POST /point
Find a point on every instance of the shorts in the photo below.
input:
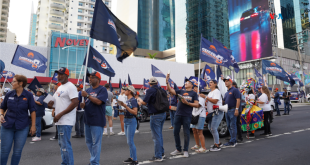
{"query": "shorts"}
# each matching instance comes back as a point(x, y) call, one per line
point(121, 113)
point(200, 124)
point(108, 111)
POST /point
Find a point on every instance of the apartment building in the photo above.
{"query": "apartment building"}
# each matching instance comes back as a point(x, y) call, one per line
point(11, 37)
point(4, 10)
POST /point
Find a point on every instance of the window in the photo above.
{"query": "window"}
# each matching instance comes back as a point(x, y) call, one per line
point(91, 6)
point(107, 3)
point(80, 17)
point(79, 31)
point(80, 11)
point(90, 19)
point(81, 4)
point(91, 13)
point(79, 24)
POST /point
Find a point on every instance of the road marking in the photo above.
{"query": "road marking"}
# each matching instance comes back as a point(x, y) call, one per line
point(31, 142)
point(287, 133)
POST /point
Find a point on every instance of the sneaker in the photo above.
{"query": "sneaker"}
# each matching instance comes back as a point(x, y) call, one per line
point(53, 138)
point(176, 152)
point(220, 145)
point(35, 139)
point(154, 159)
point(278, 115)
point(129, 160)
point(112, 133)
point(215, 148)
point(229, 144)
point(171, 127)
point(269, 134)
point(201, 150)
point(114, 118)
point(105, 134)
point(284, 114)
point(137, 131)
point(134, 163)
point(76, 136)
point(121, 133)
point(185, 154)
point(163, 156)
point(251, 135)
point(196, 147)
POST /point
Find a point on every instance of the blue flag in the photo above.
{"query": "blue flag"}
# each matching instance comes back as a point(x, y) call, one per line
point(207, 74)
point(120, 85)
point(129, 81)
point(146, 84)
point(29, 59)
point(214, 54)
point(172, 84)
point(7, 74)
point(108, 28)
point(276, 70)
point(2, 66)
point(34, 85)
point(202, 84)
point(232, 58)
point(219, 73)
point(98, 62)
point(110, 85)
point(157, 73)
point(185, 78)
point(55, 77)
point(158, 84)
point(125, 84)
point(257, 73)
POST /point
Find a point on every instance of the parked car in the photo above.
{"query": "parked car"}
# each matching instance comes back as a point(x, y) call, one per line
point(251, 18)
point(308, 97)
point(282, 103)
point(144, 111)
point(295, 97)
point(47, 120)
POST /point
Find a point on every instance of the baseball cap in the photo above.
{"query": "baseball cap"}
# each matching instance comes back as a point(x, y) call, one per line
point(40, 90)
point(284, 88)
point(214, 81)
point(124, 88)
point(277, 89)
point(79, 85)
point(57, 83)
point(227, 78)
point(97, 74)
point(138, 93)
point(153, 80)
point(62, 70)
point(193, 83)
point(131, 88)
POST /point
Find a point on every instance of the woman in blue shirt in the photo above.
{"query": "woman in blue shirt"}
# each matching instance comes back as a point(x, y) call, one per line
point(15, 124)
point(131, 123)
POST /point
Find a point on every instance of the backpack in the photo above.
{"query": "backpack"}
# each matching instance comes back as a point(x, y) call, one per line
point(161, 103)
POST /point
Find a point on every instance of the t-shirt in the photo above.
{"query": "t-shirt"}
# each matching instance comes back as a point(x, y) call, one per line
point(150, 98)
point(231, 97)
point(173, 100)
point(95, 114)
point(131, 103)
point(110, 96)
point(114, 103)
point(63, 97)
point(215, 94)
point(201, 111)
point(266, 106)
point(40, 108)
point(122, 98)
point(184, 109)
point(286, 94)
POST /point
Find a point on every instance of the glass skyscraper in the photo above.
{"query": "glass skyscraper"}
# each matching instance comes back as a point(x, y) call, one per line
point(156, 24)
point(32, 30)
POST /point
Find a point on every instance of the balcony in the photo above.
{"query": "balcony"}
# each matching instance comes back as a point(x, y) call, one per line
point(52, 26)
point(4, 21)
point(62, 1)
point(56, 20)
point(5, 4)
point(2, 36)
point(60, 13)
point(2, 32)
point(5, 9)
point(57, 6)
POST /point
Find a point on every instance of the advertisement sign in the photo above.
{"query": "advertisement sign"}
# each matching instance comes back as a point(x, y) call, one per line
point(249, 29)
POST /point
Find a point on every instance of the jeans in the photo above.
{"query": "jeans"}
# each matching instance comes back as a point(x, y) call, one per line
point(79, 124)
point(130, 125)
point(8, 136)
point(213, 125)
point(238, 125)
point(38, 126)
point(185, 121)
point(287, 107)
point(93, 138)
point(64, 134)
point(157, 123)
point(172, 114)
point(115, 111)
point(277, 108)
point(231, 124)
point(266, 122)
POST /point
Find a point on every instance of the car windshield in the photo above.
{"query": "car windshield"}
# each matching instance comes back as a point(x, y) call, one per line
point(248, 13)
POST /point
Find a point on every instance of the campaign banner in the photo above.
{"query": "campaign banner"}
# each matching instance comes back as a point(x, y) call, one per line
point(7, 74)
point(207, 74)
point(276, 70)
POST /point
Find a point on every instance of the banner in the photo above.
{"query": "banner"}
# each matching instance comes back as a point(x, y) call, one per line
point(2, 66)
point(55, 77)
point(257, 73)
point(7, 74)
point(129, 81)
point(207, 74)
point(276, 70)
point(202, 84)
point(157, 73)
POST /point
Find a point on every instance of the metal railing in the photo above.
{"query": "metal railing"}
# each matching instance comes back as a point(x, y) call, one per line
point(57, 12)
point(56, 19)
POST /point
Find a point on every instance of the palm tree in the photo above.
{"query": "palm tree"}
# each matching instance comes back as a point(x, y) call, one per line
point(152, 56)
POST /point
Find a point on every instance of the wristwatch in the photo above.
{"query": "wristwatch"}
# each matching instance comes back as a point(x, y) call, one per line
point(237, 108)
point(87, 96)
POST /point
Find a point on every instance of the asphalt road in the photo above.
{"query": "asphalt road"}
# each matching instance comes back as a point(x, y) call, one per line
point(289, 145)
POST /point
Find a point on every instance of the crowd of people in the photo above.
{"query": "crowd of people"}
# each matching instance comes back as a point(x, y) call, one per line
point(88, 110)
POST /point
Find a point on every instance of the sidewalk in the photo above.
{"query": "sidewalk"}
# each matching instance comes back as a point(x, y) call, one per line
point(300, 104)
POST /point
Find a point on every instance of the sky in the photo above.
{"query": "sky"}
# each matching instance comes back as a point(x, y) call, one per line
point(19, 18)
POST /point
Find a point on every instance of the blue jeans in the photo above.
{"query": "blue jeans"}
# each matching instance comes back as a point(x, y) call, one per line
point(38, 126)
point(287, 107)
point(8, 136)
point(213, 125)
point(157, 123)
point(79, 124)
point(277, 108)
point(64, 135)
point(130, 125)
point(93, 138)
point(231, 120)
point(186, 122)
point(172, 114)
point(115, 111)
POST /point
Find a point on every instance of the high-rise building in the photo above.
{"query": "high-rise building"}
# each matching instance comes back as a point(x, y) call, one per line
point(206, 18)
point(180, 31)
point(4, 10)
point(11, 37)
point(32, 29)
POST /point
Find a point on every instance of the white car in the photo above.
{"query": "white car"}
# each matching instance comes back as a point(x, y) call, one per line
point(280, 106)
point(47, 120)
point(308, 97)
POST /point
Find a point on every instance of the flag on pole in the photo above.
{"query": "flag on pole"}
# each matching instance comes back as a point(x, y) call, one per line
point(172, 84)
point(146, 84)
point(207, 74)
point(99, 63)
point(157, 73)
point(219, 73)
point(2, 66)
point(125, 83)
point(7, 74)
point(129, 81)
point(35, 84)
point(202, 84)
point(276, 70)
point(55, 77)
point(257, 73)
point(29, 59)
point(110, 85)
point(108, 28)
point(120, 85)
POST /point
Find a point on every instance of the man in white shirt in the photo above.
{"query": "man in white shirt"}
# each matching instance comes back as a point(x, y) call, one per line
point(66, 101)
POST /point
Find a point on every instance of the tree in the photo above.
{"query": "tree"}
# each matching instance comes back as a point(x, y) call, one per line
point(152, 56)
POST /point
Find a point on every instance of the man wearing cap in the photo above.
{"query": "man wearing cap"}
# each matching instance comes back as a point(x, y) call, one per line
point(286, 96)
point(66, 101)
point(183, 114)
point(95, 109)
point(79, 124)
point(56, 85)
point(40, 106)
point(108, 111)
point(276, 97)
point(232, 99)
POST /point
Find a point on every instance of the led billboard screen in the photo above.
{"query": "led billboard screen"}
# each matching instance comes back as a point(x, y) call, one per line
point(249, 29)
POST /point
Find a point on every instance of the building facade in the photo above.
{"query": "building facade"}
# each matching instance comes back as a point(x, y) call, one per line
point(32, 29)
point(4, 10)
point(11, 37)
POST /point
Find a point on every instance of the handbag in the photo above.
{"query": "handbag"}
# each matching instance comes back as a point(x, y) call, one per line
point(209, 117)
point(195, 119)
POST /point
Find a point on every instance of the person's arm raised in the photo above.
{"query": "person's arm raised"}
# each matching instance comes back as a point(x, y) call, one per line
point(172, 91)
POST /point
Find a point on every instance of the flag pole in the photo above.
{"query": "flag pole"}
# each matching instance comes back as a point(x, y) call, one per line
point(199, 65)
point(86, 64)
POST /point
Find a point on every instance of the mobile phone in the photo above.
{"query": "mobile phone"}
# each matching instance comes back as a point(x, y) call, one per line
point(168, 71)
point(180, 96)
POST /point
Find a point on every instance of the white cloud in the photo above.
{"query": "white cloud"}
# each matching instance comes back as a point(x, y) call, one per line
point(19, 18)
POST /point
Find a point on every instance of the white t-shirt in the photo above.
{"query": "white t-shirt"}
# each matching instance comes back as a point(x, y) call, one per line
point(215, 94)
point(63, 97)
point(114, 103)
point(201, 111)
point(122, 98)
point(266, 106)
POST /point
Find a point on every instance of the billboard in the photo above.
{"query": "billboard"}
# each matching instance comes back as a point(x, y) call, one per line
point(249, 29)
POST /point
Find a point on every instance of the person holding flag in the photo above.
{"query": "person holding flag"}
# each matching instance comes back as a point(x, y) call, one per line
point(40, 106)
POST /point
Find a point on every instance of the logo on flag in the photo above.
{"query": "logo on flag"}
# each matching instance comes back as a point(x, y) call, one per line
point(218, 58)
point(273, 64)
point(35, 64)
point(213, 48)
point(30, 54)
point(111, 23)
point(104, 65)
point(97, 59)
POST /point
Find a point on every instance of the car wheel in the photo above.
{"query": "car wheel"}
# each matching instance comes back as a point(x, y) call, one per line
point(272, 107)
point(143, 116)
point(222, 129)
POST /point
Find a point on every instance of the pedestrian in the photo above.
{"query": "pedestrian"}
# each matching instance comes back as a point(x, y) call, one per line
point(40, 107)
point(173, 107)
point(232, 99)
point(66, 101)
point(286, 96)
point(56, 85)
point(238, 121)
point(131, 110)
point(95, 108)
point(108, 111)
point(157, 119)
point(114, 106)
point(138, 117)
point(198, 128)
point(264, 103)
point(183, 114)
point(15, 123)
point(276, 98)
point(79, 124)
point(122, 97)
point(259, 93)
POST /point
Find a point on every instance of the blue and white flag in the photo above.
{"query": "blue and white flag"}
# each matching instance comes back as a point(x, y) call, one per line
point(276, 70)
point(125, 83)
point(129, 80)
point(108, 28)
point(35, 84)
point(202, 84)
point(207, 74)
point(257, 73)
point(157, 73)
point(146, 84)
point(55, 78)
point(7, 74)
point(172, 84)
point(99, 63)
point(29, 59)
point(2, 66)
point(219, 73)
